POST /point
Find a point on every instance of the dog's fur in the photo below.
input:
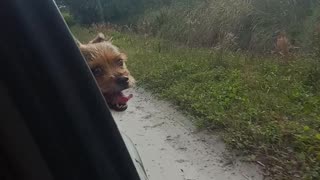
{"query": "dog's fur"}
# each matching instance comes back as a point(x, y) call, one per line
point(107, 64)
point(282, 44)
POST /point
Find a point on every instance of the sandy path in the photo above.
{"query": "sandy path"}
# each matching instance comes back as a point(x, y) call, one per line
point(170, 147)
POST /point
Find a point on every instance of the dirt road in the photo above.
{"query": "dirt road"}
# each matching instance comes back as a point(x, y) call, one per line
point(172, 149)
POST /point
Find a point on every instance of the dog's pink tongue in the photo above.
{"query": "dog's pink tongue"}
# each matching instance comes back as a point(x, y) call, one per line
point(124, 99)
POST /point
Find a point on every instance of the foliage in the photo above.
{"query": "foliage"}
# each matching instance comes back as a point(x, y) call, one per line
point(99, 11)
point(68, 18)
point(261, 106)
point(254, 24)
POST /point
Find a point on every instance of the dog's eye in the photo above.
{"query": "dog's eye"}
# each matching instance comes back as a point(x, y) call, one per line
point(97, 71)
point(120, 62)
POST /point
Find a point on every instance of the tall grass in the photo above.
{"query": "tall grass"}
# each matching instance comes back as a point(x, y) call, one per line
point(262, 107)
point(254, 24)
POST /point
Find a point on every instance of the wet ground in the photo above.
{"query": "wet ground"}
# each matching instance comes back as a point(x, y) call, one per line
point(172, 149)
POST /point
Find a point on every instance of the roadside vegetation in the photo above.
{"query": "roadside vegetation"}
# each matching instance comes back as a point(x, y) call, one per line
point(263, 106)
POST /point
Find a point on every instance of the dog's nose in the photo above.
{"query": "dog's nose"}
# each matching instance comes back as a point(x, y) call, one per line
point(122, 80)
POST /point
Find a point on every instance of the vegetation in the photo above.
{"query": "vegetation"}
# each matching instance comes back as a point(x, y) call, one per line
point(263, 107)
point(212, 58)
point(68, 18)
point(100, 11)
point(253, 24)
point(234, 24)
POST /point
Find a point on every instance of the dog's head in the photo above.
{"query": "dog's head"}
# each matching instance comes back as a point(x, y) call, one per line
point(108, 65)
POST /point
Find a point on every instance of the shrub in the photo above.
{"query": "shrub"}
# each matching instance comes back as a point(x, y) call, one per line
point(254, 24)
point(68, 18)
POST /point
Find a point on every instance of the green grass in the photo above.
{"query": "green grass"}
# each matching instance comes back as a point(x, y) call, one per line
point(261, 106)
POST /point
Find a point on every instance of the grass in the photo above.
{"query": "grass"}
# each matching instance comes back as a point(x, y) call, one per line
point(253, 25)
point(264, 108)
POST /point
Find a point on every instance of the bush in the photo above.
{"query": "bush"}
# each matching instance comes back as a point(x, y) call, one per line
point(254, 24)
point(68, 18)
point(100, 11)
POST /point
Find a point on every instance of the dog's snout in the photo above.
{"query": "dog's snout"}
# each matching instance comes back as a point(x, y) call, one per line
point(123, 80)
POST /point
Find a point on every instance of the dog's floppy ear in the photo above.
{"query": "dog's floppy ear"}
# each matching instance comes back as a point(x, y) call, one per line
point(99, 38)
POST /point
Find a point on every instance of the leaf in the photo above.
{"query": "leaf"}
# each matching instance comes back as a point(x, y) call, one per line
point(318, 136)
point(306, 128)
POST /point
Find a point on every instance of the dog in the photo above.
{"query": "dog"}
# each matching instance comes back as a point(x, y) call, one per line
point(108, 66)
point(282, 45)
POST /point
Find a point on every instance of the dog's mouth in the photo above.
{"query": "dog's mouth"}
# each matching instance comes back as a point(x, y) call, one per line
point(117, 101)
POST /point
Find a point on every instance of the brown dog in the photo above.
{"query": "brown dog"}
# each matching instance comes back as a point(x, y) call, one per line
point(108, 66)
point(282, 44)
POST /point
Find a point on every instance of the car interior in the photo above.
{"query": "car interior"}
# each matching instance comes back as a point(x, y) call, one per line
point(55, 123)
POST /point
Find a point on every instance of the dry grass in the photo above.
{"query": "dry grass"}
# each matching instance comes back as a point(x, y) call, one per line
point(253, 24)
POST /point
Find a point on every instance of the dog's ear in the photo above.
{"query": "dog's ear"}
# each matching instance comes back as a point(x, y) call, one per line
point(123, 56)
point(99, 38)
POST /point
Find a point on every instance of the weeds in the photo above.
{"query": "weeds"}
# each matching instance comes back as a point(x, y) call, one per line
point(254, 24)
point(261, 106)
point(68, 18)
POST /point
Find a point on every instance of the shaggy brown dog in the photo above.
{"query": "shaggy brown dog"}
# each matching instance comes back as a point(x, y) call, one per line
point(108, 66)
point(282, 44)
